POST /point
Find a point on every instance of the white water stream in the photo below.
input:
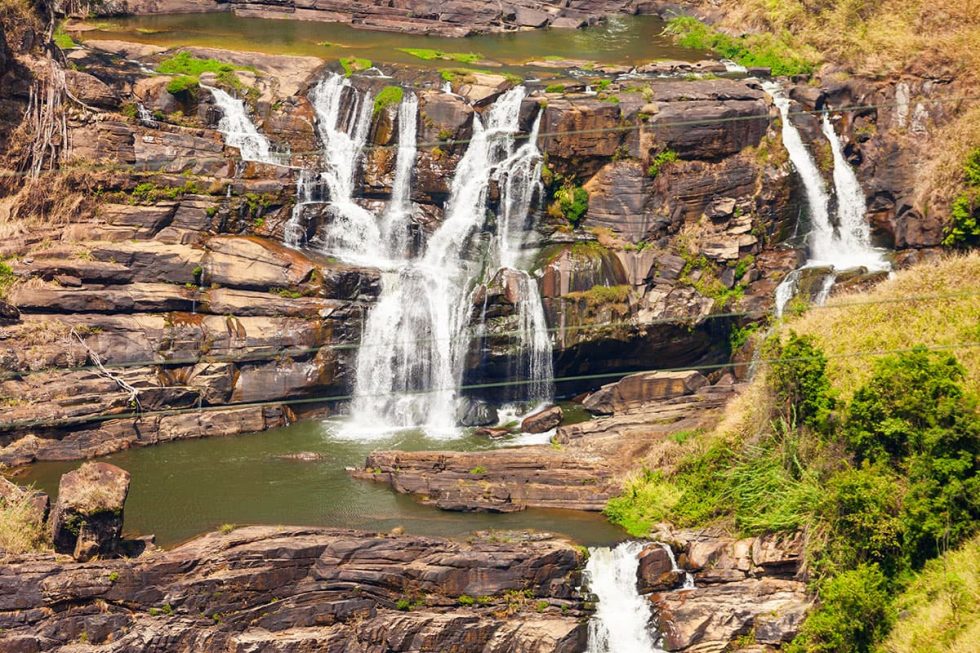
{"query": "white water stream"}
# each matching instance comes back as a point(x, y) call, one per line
point(621, 623)
point(844, 245)
point(240, 131)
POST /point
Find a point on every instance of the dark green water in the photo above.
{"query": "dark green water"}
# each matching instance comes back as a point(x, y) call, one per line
point(181, 489)
point(620, 40)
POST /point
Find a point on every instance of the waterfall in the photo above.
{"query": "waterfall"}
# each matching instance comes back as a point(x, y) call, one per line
point(846, 246)
point(409, 364)
point(343, 118)
point(394, 228)
point(622, 617)
point(239, 130)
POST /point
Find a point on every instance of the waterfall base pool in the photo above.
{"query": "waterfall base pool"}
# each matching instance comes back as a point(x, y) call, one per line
point(185, 488)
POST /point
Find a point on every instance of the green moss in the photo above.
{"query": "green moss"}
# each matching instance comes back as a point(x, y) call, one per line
point(429, 54)
point(388, 96)
point(182, 84)
point(353, 65)
point(555, 88)
point(461, 75)
point(183, 63)
point(601, 295)
point(479, 469)
point(7, 278)
point(781, 53)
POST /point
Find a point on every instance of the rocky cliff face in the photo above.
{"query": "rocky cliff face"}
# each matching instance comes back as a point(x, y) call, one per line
point(297, 590)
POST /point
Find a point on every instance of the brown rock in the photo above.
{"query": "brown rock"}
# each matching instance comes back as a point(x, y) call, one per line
point(640, 388)
point(543, 420)
point(91, 90)
point(88, 516)
point(255, 263)
point(656, 571)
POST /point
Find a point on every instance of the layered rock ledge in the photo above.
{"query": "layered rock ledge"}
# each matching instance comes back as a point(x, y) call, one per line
point(303, 589)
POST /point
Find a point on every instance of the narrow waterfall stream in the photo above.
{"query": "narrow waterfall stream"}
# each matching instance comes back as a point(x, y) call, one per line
point(841, 246)
point(397, 219)
point(239, 130)
point(621, 623)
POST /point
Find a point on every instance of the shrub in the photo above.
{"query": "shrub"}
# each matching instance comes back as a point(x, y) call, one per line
point(659, 161)
point(466, 600)
point(649, 499)
point(388, 96)
point(855, 612)
point(479, 469)
point(571, 203)
point(799, 381)
point(964, 227)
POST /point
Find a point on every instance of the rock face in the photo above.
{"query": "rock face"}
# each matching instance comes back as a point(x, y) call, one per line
point(741, 586)
point(637, 389)
point(543, 420)
point(305, 589)
point(88, 517)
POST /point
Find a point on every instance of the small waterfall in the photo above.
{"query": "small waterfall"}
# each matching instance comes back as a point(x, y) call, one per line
point(621, 621)
point(410, 361)
point(239, 130)
point(353, 233)
point(844, 246)
point(534, 358)
point(144, 115)
point(674, 567)
point(394, 229)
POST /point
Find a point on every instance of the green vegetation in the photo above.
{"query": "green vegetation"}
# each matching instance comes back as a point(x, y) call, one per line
point(479, 469)
point(660, 160)
point(7, 278)
point(599, 295)
point(880, 467)
point(149, 193)
point(182, 84)
point(224, 529)
point(64, 40)
point(429, 55)
point(461, 75)
point(388, 96)
point(964, 228)
point(941, 607)
point(555, 88)
point(781, 52)
point(188, 70)
point(353, 65)
point(570, 203)
point(466, 600)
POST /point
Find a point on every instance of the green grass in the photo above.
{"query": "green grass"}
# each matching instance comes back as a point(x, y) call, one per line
point(462, 75)
point(940, 610)
point(188, 70)
point(64, 40)
point(601, 295)
point(781, 53)
point(429, 54)
point(353, 65)
point(7, 278)
point(182, 84)
point(555, 88)
point(388, 96)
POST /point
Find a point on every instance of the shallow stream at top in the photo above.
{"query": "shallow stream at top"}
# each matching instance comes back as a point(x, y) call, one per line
point(619, 40)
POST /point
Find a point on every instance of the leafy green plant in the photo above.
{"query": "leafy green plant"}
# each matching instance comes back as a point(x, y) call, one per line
point(660, 160)
point(64, 40)
point(479, 469)
point(465, 600)
point(799, 382)
point(571, 203)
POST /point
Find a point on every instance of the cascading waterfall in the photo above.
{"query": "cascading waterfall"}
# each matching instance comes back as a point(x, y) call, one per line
point(394, 228)
point(844, 246)
point(621, 623)
point(239, 130)
point(353, 234)
point(409, 365)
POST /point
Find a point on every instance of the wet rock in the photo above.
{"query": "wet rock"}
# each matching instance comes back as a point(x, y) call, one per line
point(152, 93)
point(619, 200)
point(473, 412)
point(254, 263)
point(444, 116)
point(543, 420)
point(637, 389)
point(482, 89)
point(655, 572)
point(8, 313)
point(88, 517)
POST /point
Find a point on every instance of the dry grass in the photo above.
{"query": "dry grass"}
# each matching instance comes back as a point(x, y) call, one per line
point(873, 38)
point(942, 607)
point(21, 529)
point(851, 324)
point(941, 178)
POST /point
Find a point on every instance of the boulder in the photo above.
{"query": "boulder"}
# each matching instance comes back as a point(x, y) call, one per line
point(88, 516)
point(153, 94)
point(91, 90)
point(254, 263)
point(656, 572)
point(8, 313)
point(482, 89)
point(637, 389)
point(543, 420)
point(444, 116)
point(473, 412)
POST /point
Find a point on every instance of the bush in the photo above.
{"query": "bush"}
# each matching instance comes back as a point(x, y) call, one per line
point(964, 228)
point(855, 612)
point(388, 96)
point(799, 383)
point(571, 203)
point(659, 161)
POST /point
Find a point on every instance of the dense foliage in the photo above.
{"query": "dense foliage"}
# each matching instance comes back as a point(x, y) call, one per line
point(964, 228)
point(882, 483)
